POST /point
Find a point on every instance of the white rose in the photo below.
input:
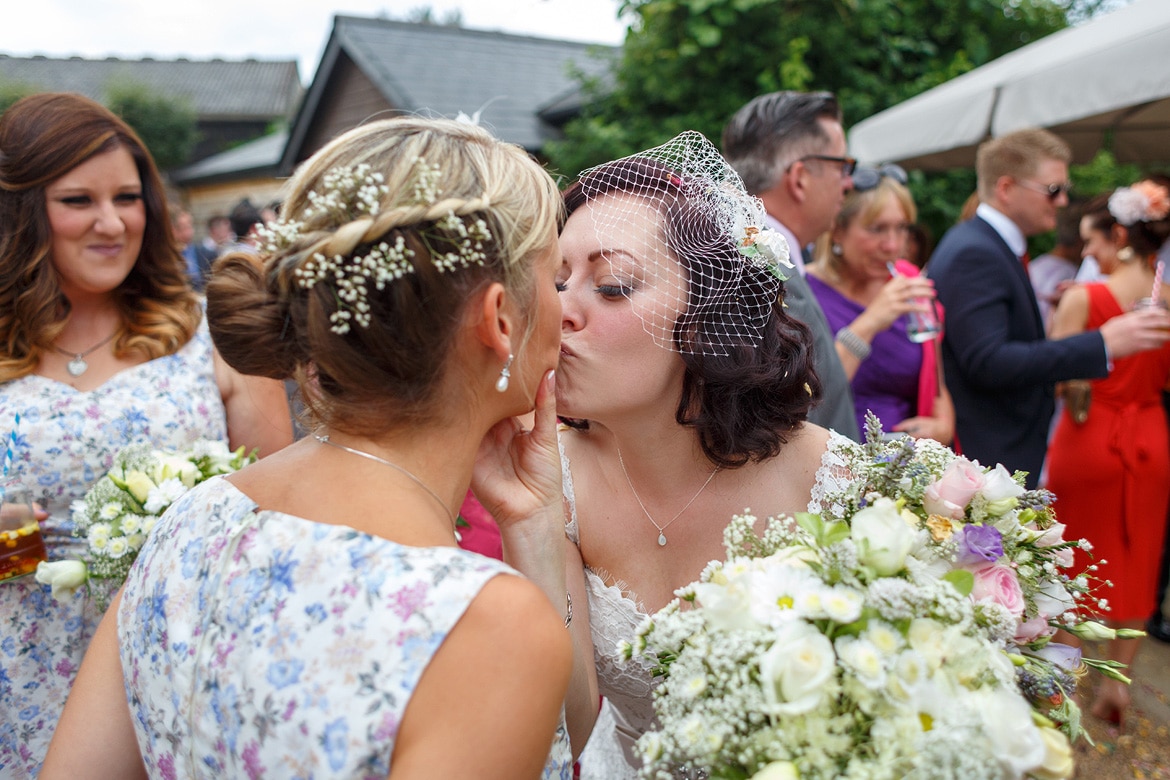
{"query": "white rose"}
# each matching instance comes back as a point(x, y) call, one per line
point(1000, 491)
point(139, 485)
point(1007, 722)
point(1058, 758)
point(176, 467)
point(778, 770)
point(796, 668)
point(883, 537)
point(65, 577)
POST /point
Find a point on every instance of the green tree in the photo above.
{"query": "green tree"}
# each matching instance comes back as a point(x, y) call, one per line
point(12, 91)
point(690, 64)
point(166, 125)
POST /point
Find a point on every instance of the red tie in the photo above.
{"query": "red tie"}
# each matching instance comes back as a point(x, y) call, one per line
point(1025, 259)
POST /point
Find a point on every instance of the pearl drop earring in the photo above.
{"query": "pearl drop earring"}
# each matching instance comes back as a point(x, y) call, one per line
point(502, 382)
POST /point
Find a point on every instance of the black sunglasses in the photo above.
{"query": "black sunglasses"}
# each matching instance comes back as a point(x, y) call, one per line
point(866, 178)
point(848, 164)
point(1053, 191)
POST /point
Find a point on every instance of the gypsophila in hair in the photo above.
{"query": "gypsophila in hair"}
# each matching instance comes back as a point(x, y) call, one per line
point(1142, 202)
point(350, 193)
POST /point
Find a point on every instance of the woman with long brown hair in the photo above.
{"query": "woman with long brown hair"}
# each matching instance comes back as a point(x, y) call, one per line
point(102, 345)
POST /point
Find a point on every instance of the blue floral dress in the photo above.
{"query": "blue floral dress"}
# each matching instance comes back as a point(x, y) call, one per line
point(259, 644)
point(66, 440)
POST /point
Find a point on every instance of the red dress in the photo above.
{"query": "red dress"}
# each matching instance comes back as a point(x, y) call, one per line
point(1111, 476)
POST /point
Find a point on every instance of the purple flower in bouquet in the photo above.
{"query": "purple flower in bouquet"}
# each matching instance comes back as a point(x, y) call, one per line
point(979, 544)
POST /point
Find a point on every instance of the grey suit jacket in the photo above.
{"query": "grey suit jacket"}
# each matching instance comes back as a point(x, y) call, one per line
point(836, 408)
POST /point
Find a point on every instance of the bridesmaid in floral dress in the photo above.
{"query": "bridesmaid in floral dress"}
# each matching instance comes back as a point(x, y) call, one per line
point(102, 345)
point(311, 615)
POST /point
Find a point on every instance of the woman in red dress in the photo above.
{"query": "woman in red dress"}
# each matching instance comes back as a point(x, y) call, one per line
point(1111, 472)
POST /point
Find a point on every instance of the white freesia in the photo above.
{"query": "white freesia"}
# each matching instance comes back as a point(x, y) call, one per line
point(883, 537)
point(795, 670)
point(65, 577)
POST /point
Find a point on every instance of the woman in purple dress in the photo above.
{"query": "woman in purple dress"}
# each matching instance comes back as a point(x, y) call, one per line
point(866, 291)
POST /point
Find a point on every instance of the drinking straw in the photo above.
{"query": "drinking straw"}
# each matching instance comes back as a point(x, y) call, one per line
point(8, 455)
point(1156, 291)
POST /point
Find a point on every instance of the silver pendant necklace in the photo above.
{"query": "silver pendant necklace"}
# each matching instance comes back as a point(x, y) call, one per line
point(404, 472)
point(77, 366)
point(662, 528)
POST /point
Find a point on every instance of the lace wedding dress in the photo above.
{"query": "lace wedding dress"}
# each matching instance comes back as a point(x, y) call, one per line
point(614, 614)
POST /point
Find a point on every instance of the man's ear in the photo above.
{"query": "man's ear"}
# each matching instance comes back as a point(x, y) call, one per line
point(496, 325)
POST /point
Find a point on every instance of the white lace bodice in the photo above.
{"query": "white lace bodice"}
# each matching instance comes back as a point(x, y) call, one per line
point(614, 614)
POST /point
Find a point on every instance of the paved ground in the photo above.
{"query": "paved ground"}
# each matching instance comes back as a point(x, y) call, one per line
point(1143, 749)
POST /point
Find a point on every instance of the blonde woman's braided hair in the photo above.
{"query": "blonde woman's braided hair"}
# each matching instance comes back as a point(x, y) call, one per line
point(384, 235)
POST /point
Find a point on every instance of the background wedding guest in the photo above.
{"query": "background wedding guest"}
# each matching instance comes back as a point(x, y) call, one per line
point(867, 307)
point(246, 221)
point(1054, 271)
point(197, 257)
point(313, 611)
point(789, 150)
point(1000, 368)
point(687, 385)
point(219, 234)
point(102, 344)
point(1111, 471)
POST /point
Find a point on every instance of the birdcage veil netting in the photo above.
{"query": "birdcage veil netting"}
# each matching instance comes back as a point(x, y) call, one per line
point(676, 222)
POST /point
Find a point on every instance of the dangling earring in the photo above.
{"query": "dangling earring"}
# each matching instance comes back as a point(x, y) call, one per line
point(502, 382)
point(1125, 254)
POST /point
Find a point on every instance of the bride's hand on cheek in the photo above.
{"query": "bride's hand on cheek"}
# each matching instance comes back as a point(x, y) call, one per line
point(518, 471)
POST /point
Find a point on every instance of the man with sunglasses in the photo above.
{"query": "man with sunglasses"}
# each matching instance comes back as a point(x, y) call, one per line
point(1000, 368)
point(789, 149)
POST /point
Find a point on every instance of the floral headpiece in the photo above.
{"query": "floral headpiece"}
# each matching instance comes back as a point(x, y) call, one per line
point(353, 192)
point(1142, 202)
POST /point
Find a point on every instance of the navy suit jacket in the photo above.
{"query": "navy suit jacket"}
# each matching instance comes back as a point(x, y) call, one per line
point(1000, 368)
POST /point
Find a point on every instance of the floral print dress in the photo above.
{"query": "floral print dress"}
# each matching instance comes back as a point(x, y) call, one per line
point(260, 644)
point(66, 440)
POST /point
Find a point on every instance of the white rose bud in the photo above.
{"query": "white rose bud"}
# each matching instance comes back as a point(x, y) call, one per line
point(883, 537)
point(65, 577)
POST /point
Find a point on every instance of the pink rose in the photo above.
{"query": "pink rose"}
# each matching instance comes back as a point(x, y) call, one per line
point(951, 494)
point(1033, 629)
point(1054, 535)
point(999, 585)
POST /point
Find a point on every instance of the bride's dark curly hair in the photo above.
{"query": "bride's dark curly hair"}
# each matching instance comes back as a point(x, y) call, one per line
point(745, 403)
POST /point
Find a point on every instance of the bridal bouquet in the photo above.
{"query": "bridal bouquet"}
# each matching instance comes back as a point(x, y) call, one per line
point(904, 632)
point(118, 513)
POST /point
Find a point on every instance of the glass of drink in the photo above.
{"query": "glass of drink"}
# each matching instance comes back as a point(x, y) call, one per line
point(923, 325)
point(21, 545)
point(1149, 303)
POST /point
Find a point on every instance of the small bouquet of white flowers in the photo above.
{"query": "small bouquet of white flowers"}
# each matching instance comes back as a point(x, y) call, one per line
point(904, 632)
point(118, 513)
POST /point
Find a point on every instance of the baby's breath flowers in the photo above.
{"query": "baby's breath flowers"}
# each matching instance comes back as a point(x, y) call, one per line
point(452, 241)
point(904, 632)
point(119, 512)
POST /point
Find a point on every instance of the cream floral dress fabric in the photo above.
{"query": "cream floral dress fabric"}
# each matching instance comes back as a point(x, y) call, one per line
point(66, 440)
point(259, 644)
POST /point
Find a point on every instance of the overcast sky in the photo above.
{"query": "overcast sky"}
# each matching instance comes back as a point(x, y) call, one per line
point(265, 29)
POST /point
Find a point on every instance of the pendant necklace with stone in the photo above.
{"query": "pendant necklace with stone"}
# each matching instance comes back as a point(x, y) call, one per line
point(662, 528)
point(77, 366)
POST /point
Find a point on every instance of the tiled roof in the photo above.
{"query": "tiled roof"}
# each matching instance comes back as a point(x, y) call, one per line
point(260, 156)
point(445, 70)
point(216, 89)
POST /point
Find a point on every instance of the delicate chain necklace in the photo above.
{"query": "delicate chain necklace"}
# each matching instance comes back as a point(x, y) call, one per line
point(662, 528)
point(396, 467)
point(77, 366)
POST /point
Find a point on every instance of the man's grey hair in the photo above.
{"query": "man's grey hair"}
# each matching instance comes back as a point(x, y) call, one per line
point(775, 130)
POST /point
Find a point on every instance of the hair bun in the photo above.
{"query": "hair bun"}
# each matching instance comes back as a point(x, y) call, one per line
point(247, 321)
